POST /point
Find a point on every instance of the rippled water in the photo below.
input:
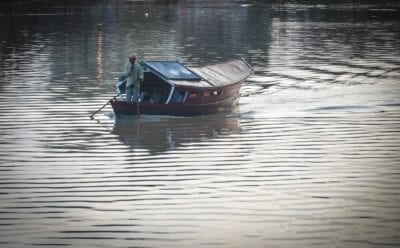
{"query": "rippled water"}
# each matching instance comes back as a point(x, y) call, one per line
point(309, 159)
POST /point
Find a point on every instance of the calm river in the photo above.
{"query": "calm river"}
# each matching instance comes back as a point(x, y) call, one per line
point(310, 158)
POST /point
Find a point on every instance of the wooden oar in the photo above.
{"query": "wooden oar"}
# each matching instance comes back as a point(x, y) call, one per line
point(138, 107)
point(92, 115)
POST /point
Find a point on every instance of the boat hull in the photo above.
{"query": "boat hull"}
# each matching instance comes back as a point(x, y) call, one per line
point(169, 88)
point(174, 109)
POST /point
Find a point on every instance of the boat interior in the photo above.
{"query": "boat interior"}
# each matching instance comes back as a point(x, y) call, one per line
point(154, 89)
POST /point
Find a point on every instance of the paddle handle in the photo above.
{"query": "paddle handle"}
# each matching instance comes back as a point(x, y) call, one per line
point(138, 107)
point(94, 113)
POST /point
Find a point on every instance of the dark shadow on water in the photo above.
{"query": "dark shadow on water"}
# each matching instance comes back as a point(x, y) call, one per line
point(157, 134)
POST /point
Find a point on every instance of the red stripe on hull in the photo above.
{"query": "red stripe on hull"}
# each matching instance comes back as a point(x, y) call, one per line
point(177, 109)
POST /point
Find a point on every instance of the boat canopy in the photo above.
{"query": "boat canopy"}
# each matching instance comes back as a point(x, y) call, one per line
point(216, 75)
point(173, 70)
point(225, 73)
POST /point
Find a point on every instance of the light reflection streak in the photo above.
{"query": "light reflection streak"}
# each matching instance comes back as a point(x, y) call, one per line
point(99, 58)
point(14, 64)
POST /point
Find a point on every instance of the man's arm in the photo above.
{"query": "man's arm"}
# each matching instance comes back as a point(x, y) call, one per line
point(127, 70)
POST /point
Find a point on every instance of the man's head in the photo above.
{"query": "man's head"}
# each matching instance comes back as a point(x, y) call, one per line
point(132, 58)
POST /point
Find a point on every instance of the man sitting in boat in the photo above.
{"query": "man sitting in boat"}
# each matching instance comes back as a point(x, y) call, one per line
point(134, 76)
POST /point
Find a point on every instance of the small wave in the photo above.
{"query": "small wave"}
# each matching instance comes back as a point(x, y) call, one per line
point(344, 107)
point(396, 104)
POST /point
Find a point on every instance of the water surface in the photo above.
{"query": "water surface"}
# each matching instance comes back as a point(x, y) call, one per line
point(310, 158)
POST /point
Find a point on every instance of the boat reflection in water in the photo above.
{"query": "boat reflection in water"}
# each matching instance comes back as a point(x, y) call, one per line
point(158, 134)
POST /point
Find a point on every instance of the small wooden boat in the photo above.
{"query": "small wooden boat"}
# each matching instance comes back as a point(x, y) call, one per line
point(170, 88)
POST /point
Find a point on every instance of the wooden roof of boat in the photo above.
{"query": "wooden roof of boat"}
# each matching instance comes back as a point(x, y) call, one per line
point(216, 75)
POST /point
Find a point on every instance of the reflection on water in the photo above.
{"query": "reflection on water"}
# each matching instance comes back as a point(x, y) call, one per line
point(160, 134)
point(311, 159)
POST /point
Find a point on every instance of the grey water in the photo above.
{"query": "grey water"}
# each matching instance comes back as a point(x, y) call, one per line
point(309, 158)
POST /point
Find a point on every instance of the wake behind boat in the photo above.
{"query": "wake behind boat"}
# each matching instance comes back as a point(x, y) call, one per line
point(170, 88)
